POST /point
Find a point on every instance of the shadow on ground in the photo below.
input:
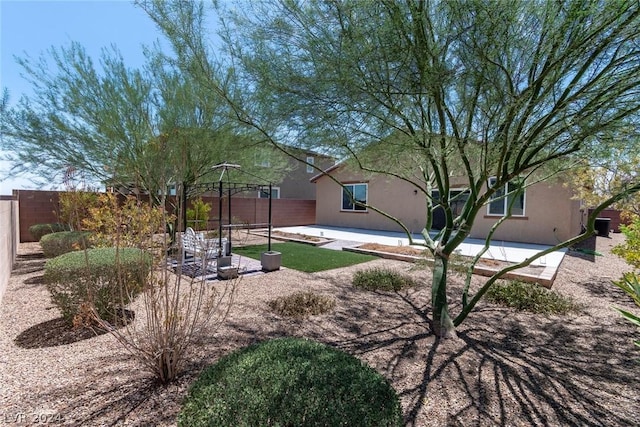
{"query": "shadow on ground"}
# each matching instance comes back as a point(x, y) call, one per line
point(59, 331)
point(28, 263)
point(506, 368)
point(501, 371)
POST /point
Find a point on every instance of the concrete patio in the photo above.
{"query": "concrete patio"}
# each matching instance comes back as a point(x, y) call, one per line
point(498, 250)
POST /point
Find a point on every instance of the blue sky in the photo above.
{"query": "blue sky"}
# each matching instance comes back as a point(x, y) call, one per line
point(32, 27)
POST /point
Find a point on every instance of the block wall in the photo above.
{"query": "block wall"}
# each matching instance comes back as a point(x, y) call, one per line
point(37, 207)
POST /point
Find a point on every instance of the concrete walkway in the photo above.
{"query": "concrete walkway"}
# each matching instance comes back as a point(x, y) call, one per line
point(498, 250)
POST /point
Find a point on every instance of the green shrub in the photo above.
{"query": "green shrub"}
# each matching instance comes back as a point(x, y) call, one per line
point(629, 250)
point(198, 215)
point(103, 278)
point(302, 304)
point(39, 230)
point(59, 243)
point(530, 297)
point(290, 382)
point(380, 279)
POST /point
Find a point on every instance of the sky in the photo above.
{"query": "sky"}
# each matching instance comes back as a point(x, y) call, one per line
point(32, 27)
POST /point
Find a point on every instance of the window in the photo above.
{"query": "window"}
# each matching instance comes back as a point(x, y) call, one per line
point(171, 190)
point(499, 204)
point(457, 200)
point(263, 193)
point(310, 168)
point(354, 197)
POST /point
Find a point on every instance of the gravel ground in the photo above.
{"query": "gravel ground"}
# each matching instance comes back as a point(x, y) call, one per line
point(506, 368)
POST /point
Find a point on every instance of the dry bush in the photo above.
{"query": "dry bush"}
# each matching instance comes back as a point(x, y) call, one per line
point(175, 311)
point(302, 304)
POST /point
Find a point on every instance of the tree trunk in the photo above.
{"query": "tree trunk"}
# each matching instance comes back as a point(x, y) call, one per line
point(442, 324)
point(184, 206)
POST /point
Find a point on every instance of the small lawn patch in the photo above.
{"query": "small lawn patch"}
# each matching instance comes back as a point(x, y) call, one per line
point(531, 297)
point(306, 258)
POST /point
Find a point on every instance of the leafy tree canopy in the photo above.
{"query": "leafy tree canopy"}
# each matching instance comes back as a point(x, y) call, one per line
point(474, 88)
point(145, 127)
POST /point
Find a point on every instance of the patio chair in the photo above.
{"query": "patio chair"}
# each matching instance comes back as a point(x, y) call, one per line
point(197, 246)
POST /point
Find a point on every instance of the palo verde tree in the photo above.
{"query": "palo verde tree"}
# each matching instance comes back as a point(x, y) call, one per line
point(498, 94)
point(143, 128)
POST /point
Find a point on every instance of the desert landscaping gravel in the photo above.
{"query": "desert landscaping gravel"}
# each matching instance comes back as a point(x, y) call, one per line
point(506, 368)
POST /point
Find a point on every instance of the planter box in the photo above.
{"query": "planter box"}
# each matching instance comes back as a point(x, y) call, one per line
point(223, 261)
point(271, 261)
point(228, 272)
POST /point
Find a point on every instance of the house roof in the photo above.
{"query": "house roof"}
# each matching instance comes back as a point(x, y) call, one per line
point(310, 152)
point(326, 172)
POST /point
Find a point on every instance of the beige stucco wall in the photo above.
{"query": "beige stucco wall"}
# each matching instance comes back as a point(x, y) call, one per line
point(9, 237)
point(392, 196)
point(548, 206)
point(296, 184)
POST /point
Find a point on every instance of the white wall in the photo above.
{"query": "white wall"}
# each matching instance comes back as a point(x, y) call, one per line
point(9, 237)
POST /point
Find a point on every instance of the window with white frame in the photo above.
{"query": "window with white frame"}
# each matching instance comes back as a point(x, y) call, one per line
point(263, 193)
point(354, 197)
point(310, 162)
point(511, 195)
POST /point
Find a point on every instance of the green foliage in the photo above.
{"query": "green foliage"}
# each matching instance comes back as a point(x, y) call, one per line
point(412, 83)
point(381, 279)
point(59, 243)
point(630, 284)
point(103, 279)
point(39, 230)
point(306, 258)
point(290, 382)
point(198, 215)
point(630, 249)
point(530, 297)
point(132, 127)
point(302, 304)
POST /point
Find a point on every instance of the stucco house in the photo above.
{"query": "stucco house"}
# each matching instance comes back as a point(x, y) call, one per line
point(544, 213)
point(296, 183)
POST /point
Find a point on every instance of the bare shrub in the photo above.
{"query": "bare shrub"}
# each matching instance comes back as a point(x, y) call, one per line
point(174, 311)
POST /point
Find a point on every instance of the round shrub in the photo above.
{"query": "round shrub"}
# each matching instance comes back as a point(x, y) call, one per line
point(39, 230)
point(290, 382)
point(531, 297)
point(302, 304)
point(380, 279)
point(104, 278)
point(59, 243)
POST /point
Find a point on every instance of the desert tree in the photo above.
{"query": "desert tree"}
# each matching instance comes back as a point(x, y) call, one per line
point(128, 127)
point(499, 94)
